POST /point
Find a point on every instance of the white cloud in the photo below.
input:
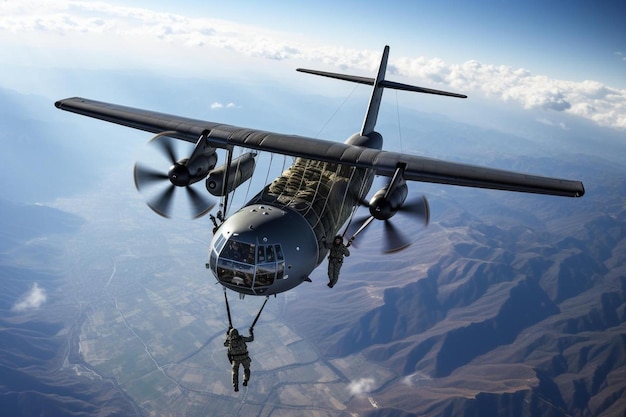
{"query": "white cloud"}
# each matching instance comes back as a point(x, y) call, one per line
point(33, 299)
point(140, 34)
point(217, 105)
point(361, 386)
point(591, 100)
point(549, 122)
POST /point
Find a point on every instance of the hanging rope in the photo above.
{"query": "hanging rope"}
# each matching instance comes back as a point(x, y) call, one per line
point(248, 189)
point(267, 175)
point(355, 207)
point(234, 191)
point(259, 314)
point(229, 160)
point(230, 320)
point(336, 111)
point(399, 125)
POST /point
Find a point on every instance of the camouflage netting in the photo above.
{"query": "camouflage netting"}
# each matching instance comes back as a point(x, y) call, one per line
point(319, 192)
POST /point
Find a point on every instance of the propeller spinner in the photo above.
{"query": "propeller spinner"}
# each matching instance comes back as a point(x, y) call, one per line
point(182, 173)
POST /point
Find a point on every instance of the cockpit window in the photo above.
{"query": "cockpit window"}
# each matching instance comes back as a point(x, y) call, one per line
point(219, 244)
point(279, 252)
point(245, 264)
point(265, 275)
point(270, 254)
point(238, 251)
point(261, 254)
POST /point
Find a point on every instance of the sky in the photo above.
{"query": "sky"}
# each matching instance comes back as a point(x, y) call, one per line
point(552, 56)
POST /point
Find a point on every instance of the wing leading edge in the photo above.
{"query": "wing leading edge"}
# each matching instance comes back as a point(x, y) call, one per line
point(383, 162)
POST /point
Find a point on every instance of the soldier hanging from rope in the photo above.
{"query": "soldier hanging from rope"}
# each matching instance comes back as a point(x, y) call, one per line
point(335, 258)
point(238, 354)
point(237, 348)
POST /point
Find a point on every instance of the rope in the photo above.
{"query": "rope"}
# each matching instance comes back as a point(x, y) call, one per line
point(248, 189)
point(267, 175)
point(336, 111)
point(259, 313)
point(230, 320)
point(399, 125)
point(355, 207)
point(232, 193)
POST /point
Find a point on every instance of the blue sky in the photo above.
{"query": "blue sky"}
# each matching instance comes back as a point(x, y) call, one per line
point(579, 38)
point(565, 57)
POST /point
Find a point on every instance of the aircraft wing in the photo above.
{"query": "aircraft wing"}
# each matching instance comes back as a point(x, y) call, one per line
point(417, 168)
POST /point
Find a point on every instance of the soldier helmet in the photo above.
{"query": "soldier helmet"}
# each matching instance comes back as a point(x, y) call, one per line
point(338, 237)
point(233, 333)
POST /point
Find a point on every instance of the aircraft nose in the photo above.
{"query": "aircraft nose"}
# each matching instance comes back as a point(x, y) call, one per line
point(282, 245)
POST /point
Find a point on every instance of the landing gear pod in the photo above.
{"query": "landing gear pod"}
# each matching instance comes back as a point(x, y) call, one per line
point(239, 171)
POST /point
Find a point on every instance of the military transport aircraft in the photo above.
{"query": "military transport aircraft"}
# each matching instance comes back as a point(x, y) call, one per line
point(273, 243)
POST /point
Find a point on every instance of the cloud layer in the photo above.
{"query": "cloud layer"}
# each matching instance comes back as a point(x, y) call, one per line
point(33, 299)
point(73, 20)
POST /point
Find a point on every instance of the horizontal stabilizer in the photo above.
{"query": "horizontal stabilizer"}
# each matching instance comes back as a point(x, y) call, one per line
point(384, 83)
point(345, 77)
point(407, 87)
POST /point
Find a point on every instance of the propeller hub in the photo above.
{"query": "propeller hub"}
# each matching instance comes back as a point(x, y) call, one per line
point(381, 209)
point(179, 175)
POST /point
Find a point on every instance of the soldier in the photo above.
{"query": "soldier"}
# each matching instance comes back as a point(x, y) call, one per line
point(238, 355)
point(335, 258)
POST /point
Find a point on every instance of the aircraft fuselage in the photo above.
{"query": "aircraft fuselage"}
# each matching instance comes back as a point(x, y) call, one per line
point(273, 243)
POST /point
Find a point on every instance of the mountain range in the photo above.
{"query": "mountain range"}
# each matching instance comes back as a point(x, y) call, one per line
point(509, 316)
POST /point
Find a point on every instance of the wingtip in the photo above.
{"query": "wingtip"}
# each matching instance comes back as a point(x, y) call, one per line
point(59, 104)
point(581, 192)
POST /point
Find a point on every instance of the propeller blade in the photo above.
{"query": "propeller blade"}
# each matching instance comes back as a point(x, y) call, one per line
point(394, 241)
point(145, 177)
point(200, 205)
point(356, 224)
point(419, 209)
point(166, 147)
point(162, 203)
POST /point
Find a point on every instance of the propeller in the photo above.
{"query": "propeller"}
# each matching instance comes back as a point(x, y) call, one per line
point(178, 175)
point(385, 204)
point(393, 239)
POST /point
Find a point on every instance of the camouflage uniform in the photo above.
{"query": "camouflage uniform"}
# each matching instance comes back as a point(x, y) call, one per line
point(335, 258)
point(238, 355)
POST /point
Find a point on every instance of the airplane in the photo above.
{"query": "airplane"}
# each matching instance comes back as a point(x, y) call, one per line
point(274, 242)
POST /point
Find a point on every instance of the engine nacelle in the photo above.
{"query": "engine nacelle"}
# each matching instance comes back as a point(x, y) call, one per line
point(183, 173)
point(239, 171)
point(383, 208)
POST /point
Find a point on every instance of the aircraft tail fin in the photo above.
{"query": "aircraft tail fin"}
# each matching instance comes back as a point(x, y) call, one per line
point(379, 83)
